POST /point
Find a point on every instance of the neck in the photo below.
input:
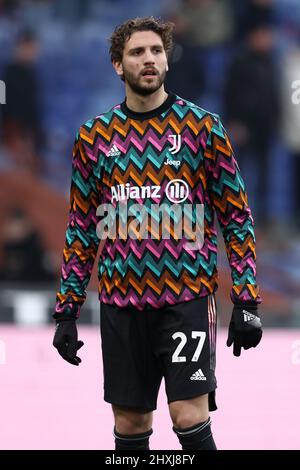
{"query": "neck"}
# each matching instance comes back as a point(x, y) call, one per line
point(141, 104)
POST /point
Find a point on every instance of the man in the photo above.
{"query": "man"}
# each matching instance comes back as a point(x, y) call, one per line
point(251, 103)
point(158, 311)
point(21, 114)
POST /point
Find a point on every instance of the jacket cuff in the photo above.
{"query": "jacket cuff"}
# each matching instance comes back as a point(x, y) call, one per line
point(245, 294)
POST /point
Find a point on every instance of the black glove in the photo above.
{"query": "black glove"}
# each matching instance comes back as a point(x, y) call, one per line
point(245, 328)
point(66, 341)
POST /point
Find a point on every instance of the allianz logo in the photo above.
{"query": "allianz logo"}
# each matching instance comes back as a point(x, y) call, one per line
point(176, 191)
point(125, 191)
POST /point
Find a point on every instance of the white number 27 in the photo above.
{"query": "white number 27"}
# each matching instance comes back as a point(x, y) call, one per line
point(183, 340)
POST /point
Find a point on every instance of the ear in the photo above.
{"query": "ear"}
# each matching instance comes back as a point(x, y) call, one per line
point(118, 68)
point(167, 67)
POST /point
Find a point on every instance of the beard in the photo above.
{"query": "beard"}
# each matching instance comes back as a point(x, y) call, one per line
point(143, 89)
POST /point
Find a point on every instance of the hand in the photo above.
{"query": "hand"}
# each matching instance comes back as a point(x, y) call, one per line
point(245, 328)
point(66, 341)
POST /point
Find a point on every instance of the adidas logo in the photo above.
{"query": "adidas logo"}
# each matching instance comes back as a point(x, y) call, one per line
point(198, 375)
point(249, 317)
point(113, 151)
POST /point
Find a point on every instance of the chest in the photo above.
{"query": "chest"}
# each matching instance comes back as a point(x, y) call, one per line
point(152, 157)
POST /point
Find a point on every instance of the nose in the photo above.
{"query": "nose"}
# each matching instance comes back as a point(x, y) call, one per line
point(148, 58)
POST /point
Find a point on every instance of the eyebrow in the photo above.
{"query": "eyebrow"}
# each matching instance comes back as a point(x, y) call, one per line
point(156, 46)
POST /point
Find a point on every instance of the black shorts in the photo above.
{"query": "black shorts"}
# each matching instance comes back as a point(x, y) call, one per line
point(139, 348)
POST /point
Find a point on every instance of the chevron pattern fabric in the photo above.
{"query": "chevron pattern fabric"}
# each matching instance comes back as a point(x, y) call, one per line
point(120, 159)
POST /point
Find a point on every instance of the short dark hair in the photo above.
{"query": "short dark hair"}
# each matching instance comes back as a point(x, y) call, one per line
point(123, 32)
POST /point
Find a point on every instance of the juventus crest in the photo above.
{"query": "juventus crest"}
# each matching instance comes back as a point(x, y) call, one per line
point(176, 141)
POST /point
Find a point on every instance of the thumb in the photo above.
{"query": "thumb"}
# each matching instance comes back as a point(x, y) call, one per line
point(72, 348)
point(79, 344)
point(230, 337)
point(236, 350)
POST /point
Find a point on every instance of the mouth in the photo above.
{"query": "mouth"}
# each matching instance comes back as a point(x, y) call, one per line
point(149, 73)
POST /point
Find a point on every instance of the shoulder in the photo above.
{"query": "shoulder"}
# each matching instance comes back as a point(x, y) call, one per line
point(198, 111)
point(90, 128)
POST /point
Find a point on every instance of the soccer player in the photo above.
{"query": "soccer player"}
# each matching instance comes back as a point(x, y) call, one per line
point(157, 155)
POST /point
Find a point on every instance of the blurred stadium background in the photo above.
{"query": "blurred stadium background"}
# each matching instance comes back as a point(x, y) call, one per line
point(240, 59)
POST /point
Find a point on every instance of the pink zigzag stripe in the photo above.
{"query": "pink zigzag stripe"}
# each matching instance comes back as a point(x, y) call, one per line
point(78, 164)
point(90, 218)
point(150, 136)
point(140, 143)
point(147, 244)
point(149, 298)
point(89, 153)
point(66, 272)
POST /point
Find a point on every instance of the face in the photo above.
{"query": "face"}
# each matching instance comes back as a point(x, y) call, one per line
point(262, 39)
point(28, 51)
point(144, 63)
